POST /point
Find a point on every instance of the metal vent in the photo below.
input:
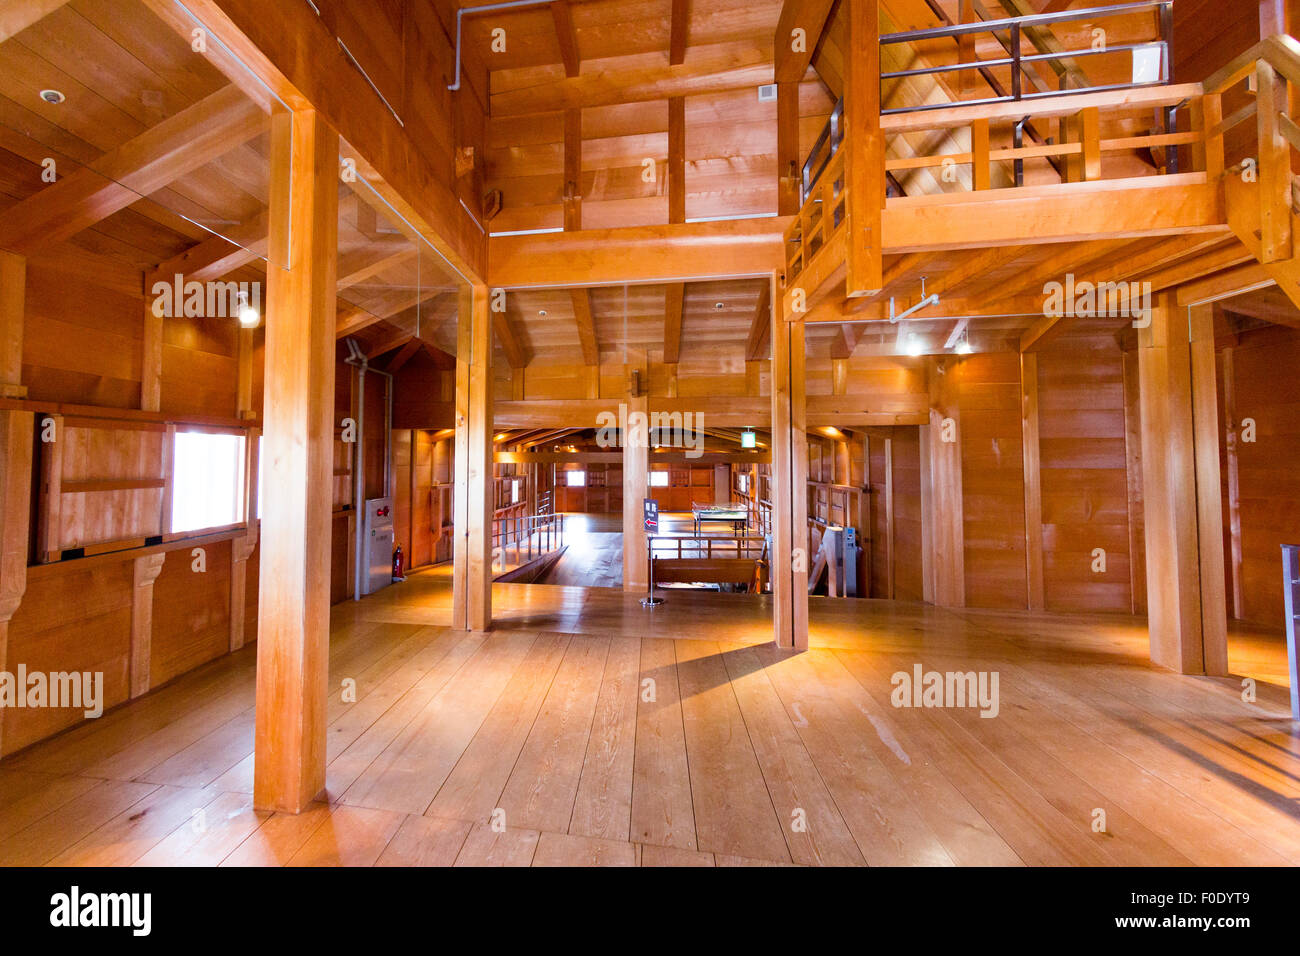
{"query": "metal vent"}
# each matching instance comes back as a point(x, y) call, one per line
point(767, 93)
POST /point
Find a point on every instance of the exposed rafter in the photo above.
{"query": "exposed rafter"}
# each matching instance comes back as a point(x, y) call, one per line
point(567, 36)
point(673, 296)
point(176, 146)
point(586, 326)
point(677, 34)
point(760, 328)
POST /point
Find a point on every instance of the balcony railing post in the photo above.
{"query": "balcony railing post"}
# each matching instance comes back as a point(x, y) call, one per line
point(1015, 63)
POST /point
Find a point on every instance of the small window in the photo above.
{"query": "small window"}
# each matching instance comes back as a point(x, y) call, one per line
point(658, 479)
point(575, 479)
point(207, 481)
point(515, 486)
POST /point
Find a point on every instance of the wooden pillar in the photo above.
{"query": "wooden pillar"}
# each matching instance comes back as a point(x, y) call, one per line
point(790, 557)
point(1133, 471)
point(1186, 607)
point(636, 487)
point(13, 299)
point(147, 569)
point(298, 444)
point(1036, 599)
point(677, 159)
point(889, 518)
point(572, 170)
point(788, 160)
point(151, 349)
point(864, 168)
point(1233, 470)
point(16, 429)
point(941, 499)
point(472, 499)
point(244, 384)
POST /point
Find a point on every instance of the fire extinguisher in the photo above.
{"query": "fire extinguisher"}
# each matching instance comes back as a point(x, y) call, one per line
point(397, 565)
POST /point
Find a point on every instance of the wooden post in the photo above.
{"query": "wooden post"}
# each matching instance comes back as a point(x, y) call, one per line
point(790, 557)
point(945, 512)
point(13, 299)
point(16, 430)
point(147, 569)
point(294, 602)
point(572, 170)
point(677, 159)
point(472, 499)
point(1036, 597)
point(244, 384)
point(1186, 608)
point(864, 169)
point(1090, 138)
point(151, 350)
point(1133, 470)
point(788, 173)
point(1233, 470)
point(889, 519)
point(1274, 167)
point(636, 481)
point(981, 173)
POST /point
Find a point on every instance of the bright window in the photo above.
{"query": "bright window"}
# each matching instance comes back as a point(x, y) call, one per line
point(207, 481)
point(658, 479)
point(514, 491)
point(575, 479)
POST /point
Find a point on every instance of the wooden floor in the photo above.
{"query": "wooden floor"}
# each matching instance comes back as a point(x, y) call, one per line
point(578, 733)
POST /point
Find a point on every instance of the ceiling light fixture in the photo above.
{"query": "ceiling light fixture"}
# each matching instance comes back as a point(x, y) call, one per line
point(52, 96)
point(248, 315)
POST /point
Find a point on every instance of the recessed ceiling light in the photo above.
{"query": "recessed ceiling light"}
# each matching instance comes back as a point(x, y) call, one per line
point(718, 305)
point(52, 96)
point(541, 311)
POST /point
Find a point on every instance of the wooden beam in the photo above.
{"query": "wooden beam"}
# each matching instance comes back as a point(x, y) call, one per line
point(738, 248)
point(572, 170)
point(586, 326)
point(679, 26)
point(760, 327)
point(151, 355)
point(788, 158)
point(636, 471)
point(864, 165)
point(472, 557)
point(176, 146)
point(13, 306)
point(218, 255)
point(294, 607)
point(404, 355)
point(790, 547)
point(634, 78)
point(566, 36)
point(507, 333)
point(1036, 595)
point(673, 295)
point(677, 159)
point(798, 31)
point(1186, 607)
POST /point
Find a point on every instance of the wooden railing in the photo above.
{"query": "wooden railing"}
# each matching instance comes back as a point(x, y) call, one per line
point(525, 536)
point(821, 221)
point(1261, 201)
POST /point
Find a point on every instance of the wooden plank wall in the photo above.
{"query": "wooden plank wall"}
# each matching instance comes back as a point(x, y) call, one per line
point(191, 612)
point(1084, 475)
point(908, 585)
point(1269, 482)
point(987, 390)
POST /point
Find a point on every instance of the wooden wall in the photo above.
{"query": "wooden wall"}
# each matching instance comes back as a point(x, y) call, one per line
point(1084, 475)
point(1265, 389)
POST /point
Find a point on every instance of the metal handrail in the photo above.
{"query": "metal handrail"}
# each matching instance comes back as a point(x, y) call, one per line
point(535, 535)
point(1016, 26)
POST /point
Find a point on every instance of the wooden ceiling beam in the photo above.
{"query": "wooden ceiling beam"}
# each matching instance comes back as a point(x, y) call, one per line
point(566, 36)
point(757, 346)
point(673, 297)
point(404, 355)
point(586, 326)
point(369, 261)
point(677, 32)
point(842, 345)
point(176, 146)
point(714, 68)
point(221, 254)
point(793, 53)
point(511, 343)
point(738, 248)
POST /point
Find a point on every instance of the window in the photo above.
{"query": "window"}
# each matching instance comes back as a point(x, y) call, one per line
point(658, 479)
point(207, 481)
point(514, 491)
point(575, 479)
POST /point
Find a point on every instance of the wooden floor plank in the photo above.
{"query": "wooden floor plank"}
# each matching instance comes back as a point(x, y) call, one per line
point(208, 839)
point(661, 781)
point(733, 808)
point(136, 830)
point(406, 776)
point(565, 849)
point(603, 807)
point(425, 841)
point(486, 846)
point(349, 836)
point(473, 790)
point(37, 844)
point(544, 782)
